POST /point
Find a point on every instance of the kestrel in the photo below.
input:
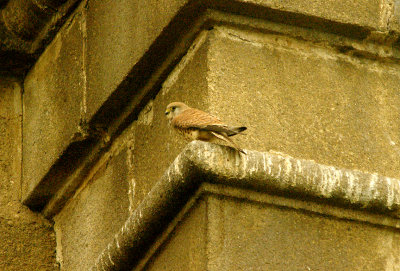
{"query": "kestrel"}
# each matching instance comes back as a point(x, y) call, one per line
point(195, 124)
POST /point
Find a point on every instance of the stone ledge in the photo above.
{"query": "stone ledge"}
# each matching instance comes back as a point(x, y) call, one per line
point(263, 172)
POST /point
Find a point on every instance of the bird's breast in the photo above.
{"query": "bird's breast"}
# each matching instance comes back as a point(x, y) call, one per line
point(194, 134)
point(189, 134)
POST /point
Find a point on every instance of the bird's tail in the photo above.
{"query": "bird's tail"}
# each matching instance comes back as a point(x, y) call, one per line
point(228, 140)
point(224, 129)
point(236, 130)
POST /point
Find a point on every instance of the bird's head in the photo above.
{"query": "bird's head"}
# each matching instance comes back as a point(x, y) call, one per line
point(174, 109)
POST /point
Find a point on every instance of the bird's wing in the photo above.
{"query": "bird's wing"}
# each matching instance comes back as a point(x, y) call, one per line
point(222, 128)
point(194, 118)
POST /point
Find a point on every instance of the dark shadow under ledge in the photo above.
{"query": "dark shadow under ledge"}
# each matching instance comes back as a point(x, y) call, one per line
point(271, 173)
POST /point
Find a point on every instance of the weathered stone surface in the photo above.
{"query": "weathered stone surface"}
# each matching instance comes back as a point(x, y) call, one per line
point(53, 97)
point(120, 33)
point(10, 140)
point(110, 54)
point(112, 51)
point(262, 173)
point(97, 212)
point(294, 97)
point(26, 27)
point(25, 18)
point(249, 236)
point(186, 246)
point(27, 240)
point(301, 97)
point(306, 101)
point(359, 12)
point(394, 20)
point(154, 139)
point(298, 99)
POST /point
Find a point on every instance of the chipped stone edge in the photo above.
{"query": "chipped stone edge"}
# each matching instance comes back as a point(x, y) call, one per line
point(260, 171)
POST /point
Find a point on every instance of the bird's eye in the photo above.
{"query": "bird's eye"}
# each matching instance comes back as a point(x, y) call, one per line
point(173, 108)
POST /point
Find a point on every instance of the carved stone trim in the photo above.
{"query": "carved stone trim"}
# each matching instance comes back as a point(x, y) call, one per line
point(263, 172)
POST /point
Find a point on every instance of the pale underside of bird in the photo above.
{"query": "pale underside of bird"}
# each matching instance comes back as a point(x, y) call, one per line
point(195, 124)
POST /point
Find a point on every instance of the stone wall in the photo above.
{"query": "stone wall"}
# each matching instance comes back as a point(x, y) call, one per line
point(223, 233)
point(27, 239)
point(317, 81)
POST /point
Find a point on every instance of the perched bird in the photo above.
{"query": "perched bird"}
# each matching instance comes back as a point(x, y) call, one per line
point(195, 124)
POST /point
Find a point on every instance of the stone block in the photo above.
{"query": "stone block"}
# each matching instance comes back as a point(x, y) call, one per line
point(27, 240)
point(119, 34)
point(186, 246)
point(249, 236)
point(307, 101)
point(394, 22)
point(53, 97)
point(154, 139)
point(228, 233)
point(97, 211)
point(10, 140)
point(363, 13)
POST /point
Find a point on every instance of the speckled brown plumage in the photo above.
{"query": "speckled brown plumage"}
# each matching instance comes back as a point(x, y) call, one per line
point(194, 118)
point(195, 124)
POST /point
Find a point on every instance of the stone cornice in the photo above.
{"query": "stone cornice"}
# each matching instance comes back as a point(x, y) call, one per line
point(26, 27)
point(268, 173)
